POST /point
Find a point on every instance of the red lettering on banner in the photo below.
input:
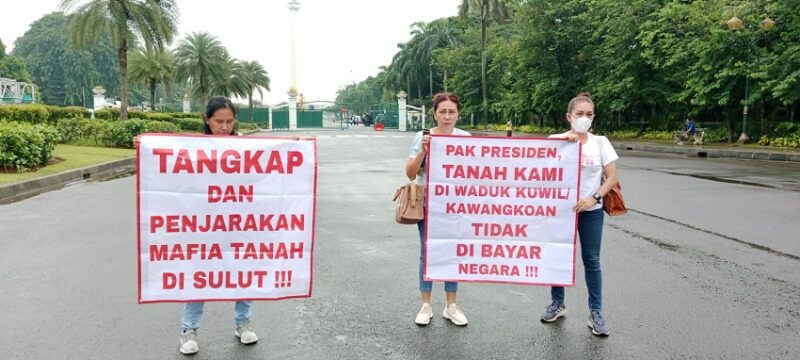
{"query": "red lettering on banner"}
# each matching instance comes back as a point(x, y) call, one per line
point(224, 279)
point(486, 269)
point(518, 152)
point(162, 158)
point(511, 251)
point(171, 280)
point(217, 194)
point(475, 172)
point(482, 191)
point(205, 161)
point(261, 251)
point(230, 222)
point(494, 230)
point(229, 161)
point(539, 174)
point(499, 209)
point(542, 193)
point(189, 251)
point(460, 150)
point(183, 163)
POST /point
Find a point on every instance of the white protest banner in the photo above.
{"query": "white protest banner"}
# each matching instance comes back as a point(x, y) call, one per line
point(500, 210)
point(225, 217)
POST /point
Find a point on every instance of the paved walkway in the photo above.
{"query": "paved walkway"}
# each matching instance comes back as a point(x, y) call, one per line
point(25, 189)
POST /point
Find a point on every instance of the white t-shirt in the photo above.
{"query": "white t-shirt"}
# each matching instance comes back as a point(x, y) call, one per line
point(595, 153)
point(417, 145)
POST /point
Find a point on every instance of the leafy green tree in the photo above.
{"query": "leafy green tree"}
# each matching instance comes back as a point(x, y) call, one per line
point(781, 72)
point(152, 66)
point(488, 10)
point(12, 67)
point(64, 75)
point(203, 62)
point(153, 21)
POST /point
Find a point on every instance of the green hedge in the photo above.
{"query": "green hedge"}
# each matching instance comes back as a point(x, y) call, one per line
point(69, 112)
point(34, 113)
point(24, 146)
point(73, 130)
point(106, 114)
point(122, 133)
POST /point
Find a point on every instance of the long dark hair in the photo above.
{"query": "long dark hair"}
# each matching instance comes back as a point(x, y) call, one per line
point(216, 103)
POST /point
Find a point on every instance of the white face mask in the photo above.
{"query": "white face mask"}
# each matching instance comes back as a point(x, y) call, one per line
point(582, 124)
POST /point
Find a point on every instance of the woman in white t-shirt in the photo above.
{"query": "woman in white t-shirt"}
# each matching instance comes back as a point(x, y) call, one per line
point(445, 111)
point(597, 157)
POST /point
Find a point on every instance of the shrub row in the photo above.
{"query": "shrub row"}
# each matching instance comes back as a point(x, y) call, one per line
point(38, 114)
point(24, 146)
point(41, 114)
point(789, 141)
point(111, 133)
point(113, 114)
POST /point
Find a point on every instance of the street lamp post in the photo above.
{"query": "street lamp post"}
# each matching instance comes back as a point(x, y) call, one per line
point(735, 24)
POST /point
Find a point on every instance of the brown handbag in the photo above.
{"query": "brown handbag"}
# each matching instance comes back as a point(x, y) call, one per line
point(409, 203)
point(613, 203)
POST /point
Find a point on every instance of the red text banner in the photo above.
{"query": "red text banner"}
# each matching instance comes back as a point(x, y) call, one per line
point(225, 218)
point(500, 210)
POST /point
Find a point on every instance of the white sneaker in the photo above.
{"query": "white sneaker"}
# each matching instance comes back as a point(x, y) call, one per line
point(453, 313)
point(189, 342)
point(246, 334)
point(424, 315)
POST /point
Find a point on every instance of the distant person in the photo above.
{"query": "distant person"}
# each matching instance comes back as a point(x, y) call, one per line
point(220, 119)
point(445, 111)
point(689, 130)
point(597, 158)
point(509, 128)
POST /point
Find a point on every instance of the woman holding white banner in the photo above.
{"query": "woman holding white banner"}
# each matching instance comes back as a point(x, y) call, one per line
point(446, 107)
point(220, 119)
point(597, 158)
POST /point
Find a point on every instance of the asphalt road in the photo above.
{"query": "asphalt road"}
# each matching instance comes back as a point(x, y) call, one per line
point(705, 265)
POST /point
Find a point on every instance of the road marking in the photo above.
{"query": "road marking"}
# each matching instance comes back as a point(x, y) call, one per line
point(343, 136)
point(361, 136)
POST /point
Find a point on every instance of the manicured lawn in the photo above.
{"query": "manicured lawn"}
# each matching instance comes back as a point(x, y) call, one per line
point(73, 157)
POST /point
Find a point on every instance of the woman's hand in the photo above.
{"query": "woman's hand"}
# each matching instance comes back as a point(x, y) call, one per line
point(571, 137)
point(426, 143)
point(584, 204)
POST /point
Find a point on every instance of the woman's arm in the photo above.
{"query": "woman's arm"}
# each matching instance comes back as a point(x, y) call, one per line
point(610, 171)
point(414, 164)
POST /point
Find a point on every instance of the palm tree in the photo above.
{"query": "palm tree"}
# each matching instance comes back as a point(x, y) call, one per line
point(233, 82)
point(497, 9)
point(401, 68)
point(440, 33)
point(153, 21)
point(152, 66)
point(256, 79)
point(203, 62)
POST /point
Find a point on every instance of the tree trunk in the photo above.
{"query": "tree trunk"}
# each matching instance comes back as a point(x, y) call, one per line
point(122, 54)
point(153, 94)
point(430, 81)
point(250, 105)
point(484, 20)
point(444, 80)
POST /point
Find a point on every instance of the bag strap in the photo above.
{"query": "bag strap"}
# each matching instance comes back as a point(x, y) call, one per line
point(412, 193)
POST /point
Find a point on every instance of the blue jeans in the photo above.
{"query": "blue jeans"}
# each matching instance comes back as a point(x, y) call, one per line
point(427, 286)
point(590, 232)
point(193, 314)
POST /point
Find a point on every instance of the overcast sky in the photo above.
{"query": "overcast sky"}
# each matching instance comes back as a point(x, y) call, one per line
point(339, 42)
